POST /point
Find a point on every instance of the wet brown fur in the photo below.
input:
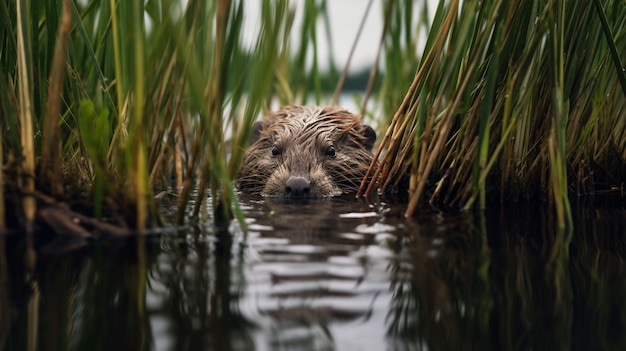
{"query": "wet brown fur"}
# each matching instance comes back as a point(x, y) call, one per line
point(301, 137)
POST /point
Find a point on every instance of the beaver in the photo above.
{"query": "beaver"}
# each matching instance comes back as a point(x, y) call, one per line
point(307, 152)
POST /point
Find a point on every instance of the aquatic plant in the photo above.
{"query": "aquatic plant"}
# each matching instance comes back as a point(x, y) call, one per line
point(115, 99)
point(119, 100)
point(510, 101)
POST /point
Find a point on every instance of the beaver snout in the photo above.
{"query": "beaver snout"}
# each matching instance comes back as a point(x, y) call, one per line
point(297, 187)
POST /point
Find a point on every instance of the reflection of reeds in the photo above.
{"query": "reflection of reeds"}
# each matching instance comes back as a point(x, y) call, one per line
point(201, 297)
point(81, 300)
point(509, 99)
point(440, 288)
point(530, 281)
point(458, 281)
point(2, 210)
point(511, 280)
point(5, 316)
point(597, 274)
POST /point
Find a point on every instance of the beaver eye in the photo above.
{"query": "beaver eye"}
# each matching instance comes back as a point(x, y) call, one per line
point(275, 151)
point(331, 151)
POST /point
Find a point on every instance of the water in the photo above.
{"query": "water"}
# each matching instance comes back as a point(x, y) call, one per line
point(335, 274)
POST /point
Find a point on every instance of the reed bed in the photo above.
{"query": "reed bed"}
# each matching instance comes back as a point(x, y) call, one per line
point(511, 101)
point(105, 103)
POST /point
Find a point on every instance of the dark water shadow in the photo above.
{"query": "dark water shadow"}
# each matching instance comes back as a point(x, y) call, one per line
point(334, 274)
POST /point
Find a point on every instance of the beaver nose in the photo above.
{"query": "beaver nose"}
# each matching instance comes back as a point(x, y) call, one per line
point(297, 187)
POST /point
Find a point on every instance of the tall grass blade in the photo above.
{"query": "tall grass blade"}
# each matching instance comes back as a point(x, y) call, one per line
point(115, 36)
point(516, 101)
point(508, 100)
point(483, 120)
point(556, 141)
point(138, 126)
point(619, 68)
point(24, 66)
point(51, 160)
point(95, 129)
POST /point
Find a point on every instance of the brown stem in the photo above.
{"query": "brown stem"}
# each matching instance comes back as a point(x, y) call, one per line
point(51, 150)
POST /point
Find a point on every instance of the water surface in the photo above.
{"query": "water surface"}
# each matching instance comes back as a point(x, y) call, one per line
point(332, 274)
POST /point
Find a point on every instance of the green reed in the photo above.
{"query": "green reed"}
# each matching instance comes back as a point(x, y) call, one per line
point(508, 100)
point(116, 98)
point(511, 101)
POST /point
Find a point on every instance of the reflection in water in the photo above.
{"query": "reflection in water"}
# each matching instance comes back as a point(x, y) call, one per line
point(336, 274)
point(439, 285)
point(315, 274)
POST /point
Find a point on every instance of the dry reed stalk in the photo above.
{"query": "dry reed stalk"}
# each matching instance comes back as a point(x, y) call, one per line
point(171, 132)
point(514, 115)
point(214, 97)
point(27, 176)
point(178, 162)
point(376, 166)
point(397, 147)
point(50, 168)
point(181, 146)
point(160, 159)
point(119, 86)
point(401, 113)
point(187, 181)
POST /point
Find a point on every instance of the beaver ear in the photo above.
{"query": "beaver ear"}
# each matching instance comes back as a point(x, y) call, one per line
point(256, 132)
point(369, 136)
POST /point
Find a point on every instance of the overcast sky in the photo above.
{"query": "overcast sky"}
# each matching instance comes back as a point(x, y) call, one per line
point(345, 18)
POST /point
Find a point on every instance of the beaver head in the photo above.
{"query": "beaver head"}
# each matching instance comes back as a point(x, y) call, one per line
point(303, 151)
